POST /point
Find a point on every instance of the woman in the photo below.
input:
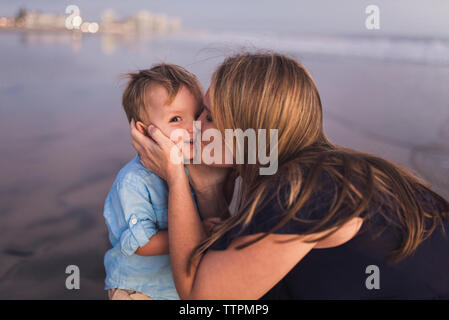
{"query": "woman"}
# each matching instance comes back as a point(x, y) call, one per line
point(332, 223)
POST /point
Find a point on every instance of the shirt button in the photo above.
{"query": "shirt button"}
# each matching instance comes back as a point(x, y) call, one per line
point(134, 221)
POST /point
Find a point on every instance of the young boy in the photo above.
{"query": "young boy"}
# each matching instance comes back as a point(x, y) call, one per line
point(138, 265)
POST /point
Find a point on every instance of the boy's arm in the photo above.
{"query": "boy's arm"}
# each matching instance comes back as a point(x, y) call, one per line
point(156, 247)
point(159, 242)
point(142, 236)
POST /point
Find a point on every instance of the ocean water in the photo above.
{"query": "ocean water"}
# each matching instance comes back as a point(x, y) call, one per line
point(63, 135)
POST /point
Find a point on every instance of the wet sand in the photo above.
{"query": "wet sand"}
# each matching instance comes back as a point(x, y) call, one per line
point(63, 138)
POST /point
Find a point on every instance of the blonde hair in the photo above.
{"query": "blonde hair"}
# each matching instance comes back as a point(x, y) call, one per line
point(169, 76)
point(269, 90)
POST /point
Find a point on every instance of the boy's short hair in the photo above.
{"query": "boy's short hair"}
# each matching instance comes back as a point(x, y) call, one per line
point(169, 76)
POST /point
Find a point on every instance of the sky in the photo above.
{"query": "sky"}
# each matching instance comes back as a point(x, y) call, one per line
point(405, 18)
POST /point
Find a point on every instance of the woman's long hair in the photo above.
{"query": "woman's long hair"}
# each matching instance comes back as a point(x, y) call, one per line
point(272, 91)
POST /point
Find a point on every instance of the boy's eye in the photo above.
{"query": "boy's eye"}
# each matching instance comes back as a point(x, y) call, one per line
point(175, 119)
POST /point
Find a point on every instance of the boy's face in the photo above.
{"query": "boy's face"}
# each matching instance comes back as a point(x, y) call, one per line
point(179, 114)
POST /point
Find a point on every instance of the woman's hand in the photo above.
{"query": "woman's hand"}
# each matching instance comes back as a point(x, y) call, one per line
point(156, 153)
point(210, 223)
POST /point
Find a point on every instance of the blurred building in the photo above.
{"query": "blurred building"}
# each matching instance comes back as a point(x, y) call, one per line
point(142, 23)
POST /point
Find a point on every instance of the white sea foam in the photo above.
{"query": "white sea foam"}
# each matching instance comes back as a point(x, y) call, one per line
point(397, 49)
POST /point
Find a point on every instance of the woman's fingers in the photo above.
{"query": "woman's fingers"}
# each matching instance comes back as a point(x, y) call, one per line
point(136, 135)
point(140, 142)
point(156, 134)
point(144, 146)
point(210, 223)
point(213, 220)
point(159, 137)
point(155, 151)
point(133, 129)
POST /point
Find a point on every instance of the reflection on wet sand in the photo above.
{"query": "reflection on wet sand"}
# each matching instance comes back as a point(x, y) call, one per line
point(109, 42)
point(444, 132)
point(48, 27)
point(432, 163)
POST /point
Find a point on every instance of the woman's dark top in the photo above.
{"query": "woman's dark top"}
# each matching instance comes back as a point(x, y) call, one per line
point(344, 272)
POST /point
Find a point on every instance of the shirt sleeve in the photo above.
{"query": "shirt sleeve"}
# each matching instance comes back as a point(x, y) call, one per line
point(139, 216)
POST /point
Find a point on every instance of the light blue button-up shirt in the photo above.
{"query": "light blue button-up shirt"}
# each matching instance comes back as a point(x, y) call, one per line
point(135, 209)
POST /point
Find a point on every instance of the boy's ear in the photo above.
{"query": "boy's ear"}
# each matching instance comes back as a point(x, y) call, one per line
point(141, 127)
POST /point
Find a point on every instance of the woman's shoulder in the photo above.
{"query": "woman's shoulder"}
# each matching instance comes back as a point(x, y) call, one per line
point(274, 209)
point(276, 205)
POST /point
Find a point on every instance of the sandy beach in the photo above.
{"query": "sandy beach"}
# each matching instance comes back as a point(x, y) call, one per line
point(63, 138)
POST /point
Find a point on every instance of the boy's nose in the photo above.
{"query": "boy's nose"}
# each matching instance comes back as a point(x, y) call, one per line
point(189, 128)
